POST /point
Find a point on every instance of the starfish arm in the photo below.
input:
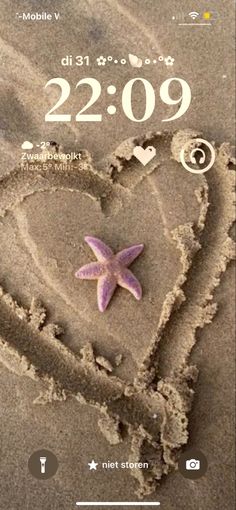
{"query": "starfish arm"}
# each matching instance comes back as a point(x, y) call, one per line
point(90, 271)
point(105, 290)
point(128, 281)
point(128, 255)
point(100, 249)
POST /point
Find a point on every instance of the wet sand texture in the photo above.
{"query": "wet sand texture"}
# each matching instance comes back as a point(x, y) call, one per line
point(148, 392)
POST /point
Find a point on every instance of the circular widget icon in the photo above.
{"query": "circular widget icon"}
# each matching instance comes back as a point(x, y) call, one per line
point(43, 464)
point(192, 464)
point(203, 149)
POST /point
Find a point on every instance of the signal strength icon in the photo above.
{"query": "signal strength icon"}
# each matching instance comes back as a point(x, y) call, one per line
point(193, 14)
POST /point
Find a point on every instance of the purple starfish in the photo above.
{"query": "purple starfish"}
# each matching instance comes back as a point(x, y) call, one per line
point(111, 270)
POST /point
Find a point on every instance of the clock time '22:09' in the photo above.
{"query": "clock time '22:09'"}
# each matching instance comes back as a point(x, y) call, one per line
point(183, 100)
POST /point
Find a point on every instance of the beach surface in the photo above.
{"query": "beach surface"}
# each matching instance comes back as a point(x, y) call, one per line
point(144, 380)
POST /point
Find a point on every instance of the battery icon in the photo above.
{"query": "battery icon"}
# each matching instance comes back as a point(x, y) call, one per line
point(210, 15)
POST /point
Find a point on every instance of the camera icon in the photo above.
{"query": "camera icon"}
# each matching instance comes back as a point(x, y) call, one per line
point(193, 464)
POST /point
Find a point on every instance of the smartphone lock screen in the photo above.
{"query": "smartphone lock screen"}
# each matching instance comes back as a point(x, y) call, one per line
point(117, 277)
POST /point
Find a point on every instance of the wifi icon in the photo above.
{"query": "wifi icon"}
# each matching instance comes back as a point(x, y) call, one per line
point(193, 14)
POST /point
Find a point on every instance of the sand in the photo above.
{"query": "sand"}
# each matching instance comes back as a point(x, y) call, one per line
point(143, 381)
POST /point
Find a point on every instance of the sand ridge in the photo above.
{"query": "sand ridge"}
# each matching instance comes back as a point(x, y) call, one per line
point(164, 379)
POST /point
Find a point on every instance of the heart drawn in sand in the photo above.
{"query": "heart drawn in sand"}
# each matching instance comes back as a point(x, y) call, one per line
point(144, 155)
point(133, 208)
point(163, 208)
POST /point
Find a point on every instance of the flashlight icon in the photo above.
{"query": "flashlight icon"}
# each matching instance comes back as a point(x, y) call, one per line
point(42, 464)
